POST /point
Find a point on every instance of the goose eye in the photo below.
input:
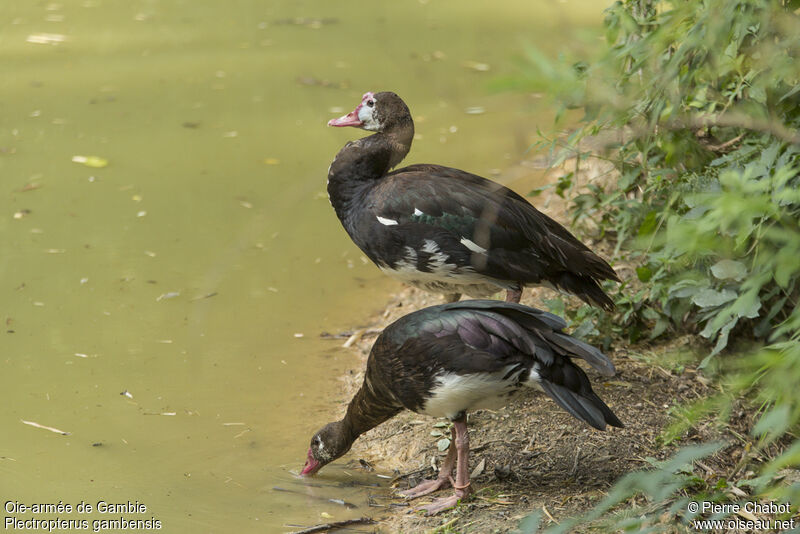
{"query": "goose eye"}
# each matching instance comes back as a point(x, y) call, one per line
point(370, 103)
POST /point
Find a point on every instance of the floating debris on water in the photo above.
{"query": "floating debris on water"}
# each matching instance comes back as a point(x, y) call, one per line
point(475, 110)
point(43, 427)
point(477, 66)
point(30, 187)
point(313, 81)
point(308, 22)
point(91, 161)
point(19, 214)
point(46, 38)
point(299, 335)
point(168, 295)
point(206, 296)
point(126, 393)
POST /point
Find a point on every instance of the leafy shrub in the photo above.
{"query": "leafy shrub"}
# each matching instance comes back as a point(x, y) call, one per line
point(702, 101)
point(705, 99)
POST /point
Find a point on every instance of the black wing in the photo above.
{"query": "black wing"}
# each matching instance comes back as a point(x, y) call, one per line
point(488, 336)
point(488, 214)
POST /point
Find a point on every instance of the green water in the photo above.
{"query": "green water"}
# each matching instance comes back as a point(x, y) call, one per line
point(153, 308)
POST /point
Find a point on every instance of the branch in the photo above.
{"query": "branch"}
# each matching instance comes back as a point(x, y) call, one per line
point(336, 525)
point(773, 127)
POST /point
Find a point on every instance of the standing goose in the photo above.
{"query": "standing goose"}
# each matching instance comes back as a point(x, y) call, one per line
point(446, 360)
point(445, 230)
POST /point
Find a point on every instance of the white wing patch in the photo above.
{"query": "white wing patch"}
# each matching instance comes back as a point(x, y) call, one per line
point(474, 247)
point(438, 260)
point(386, 222)
point(418, 213)
point(430, 246)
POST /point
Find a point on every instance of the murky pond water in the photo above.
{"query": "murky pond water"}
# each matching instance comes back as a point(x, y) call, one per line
point(162, 305)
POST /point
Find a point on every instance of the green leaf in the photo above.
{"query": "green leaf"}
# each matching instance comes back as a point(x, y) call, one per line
point(729, 269)
point(648, 225)
point(709, 298)
point(585, 329)
point(747, 305)
point(790, 92)
point(555, 306)
point(644, 273)
point(773, 423)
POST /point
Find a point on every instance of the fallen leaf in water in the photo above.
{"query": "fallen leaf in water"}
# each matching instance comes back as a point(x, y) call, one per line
point(91, 161)
point(30, 187)
point(476, 65)
point(309, 22)
point(46, 38)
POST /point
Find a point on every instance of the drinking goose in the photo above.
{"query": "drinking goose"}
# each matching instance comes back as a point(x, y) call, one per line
point(449, 359)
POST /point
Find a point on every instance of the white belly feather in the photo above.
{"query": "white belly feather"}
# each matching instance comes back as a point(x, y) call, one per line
point(456, 393)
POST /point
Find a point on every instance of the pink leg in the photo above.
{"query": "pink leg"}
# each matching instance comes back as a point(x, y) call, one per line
point(513, 295)
point(461, 484)
point(444, 478)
